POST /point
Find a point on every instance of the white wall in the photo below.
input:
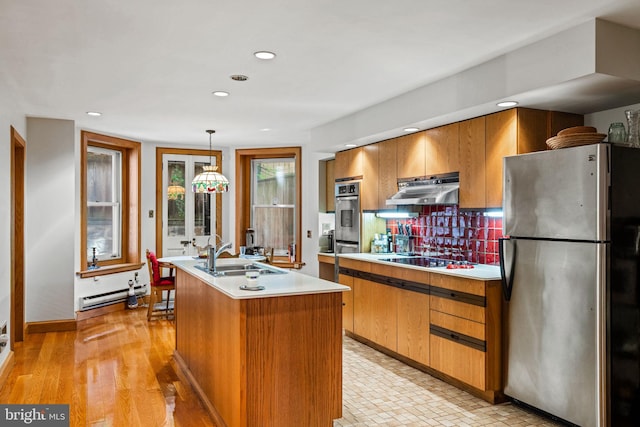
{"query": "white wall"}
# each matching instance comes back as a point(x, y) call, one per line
point(603, 119)
point(49, 220)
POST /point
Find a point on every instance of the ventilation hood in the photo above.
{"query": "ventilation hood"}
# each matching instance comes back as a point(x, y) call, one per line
point(433, 190)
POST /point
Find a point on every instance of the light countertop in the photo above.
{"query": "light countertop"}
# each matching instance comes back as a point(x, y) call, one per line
point(479, 272)
point(276, 285)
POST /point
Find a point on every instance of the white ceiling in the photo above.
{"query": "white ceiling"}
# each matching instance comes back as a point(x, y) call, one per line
point(150, 65)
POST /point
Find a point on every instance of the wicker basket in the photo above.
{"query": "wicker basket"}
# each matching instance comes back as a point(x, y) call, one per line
point(575, 139)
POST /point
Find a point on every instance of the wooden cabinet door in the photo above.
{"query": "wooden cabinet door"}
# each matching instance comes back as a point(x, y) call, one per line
point(347, 302)
point(533, 130)
point(458, 361)
point(561, 121)
point(411, 155)
point(375, 312)
point(472, 163)
point(501, 140)
point(413, 325)
point(441, 149)
point(348, 163)
point(369, 187)
point(330, 201)
point(387, 172)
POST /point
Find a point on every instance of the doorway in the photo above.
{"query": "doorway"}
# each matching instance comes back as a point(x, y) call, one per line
point(184, 220)
point(18, 147)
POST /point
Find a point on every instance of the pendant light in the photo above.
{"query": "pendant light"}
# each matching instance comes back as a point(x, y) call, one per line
point(209, 180)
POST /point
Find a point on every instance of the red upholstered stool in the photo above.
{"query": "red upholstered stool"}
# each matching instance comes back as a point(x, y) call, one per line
point(159, 284)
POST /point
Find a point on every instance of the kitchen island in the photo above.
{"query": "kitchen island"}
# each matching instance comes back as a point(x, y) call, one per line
point(271, 357)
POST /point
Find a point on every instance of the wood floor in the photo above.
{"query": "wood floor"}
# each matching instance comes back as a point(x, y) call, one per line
point(115, 370)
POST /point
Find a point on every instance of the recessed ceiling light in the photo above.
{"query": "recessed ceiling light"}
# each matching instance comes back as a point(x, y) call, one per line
point(239, 77)
point(411, 129)
point(263, 54)
point(265, 129)
point(94, 113)
point(220, 93)
point(507, 104)
point(350, 145)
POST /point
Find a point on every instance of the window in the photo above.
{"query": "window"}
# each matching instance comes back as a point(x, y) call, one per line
point(110, 196)
point(104, 205)
point(268, 198)
point(273, 202)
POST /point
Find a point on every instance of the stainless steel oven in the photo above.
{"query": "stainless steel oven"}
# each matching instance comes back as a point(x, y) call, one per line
point(347, 232)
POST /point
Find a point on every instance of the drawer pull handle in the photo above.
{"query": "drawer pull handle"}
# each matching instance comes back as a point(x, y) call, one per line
point(344, 303)
point(453, 295)
point(454, 337)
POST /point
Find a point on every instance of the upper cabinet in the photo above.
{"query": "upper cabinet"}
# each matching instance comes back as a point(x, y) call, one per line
point(387, 171)
point(475, 148)
point(369, 186)
point(471, 146)
point(410, 152)
point(441, 149)
point(330, 179)
point(348, 164)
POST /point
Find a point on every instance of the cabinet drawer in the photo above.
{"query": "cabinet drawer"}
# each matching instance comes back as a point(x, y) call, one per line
point(469, 286)
point(353, 264)
point(458, 324)
point(458, 361)
point(458, 309)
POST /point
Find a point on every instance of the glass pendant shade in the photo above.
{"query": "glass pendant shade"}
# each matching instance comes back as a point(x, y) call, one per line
point(210, 180)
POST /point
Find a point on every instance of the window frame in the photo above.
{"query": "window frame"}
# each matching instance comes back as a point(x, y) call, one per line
point(130, 163)
point(243, 183)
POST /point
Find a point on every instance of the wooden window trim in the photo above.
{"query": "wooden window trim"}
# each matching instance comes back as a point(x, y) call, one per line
point(243, 185)
point(131, 192)
point(160, 152)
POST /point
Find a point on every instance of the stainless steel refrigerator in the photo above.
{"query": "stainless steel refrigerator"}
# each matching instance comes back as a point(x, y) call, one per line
point(569, 263)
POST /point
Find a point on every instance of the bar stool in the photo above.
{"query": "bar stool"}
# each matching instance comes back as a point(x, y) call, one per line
point(160, 284)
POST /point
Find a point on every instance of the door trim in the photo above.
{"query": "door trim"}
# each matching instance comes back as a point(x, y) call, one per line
point(160, 152)
point(18, 148)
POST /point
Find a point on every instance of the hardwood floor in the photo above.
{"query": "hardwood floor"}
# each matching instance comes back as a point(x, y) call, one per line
point(115, 370)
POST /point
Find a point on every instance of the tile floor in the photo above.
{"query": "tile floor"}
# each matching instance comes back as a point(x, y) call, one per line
point(382, 391)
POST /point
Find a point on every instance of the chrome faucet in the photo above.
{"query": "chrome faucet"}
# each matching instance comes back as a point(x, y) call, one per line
point(214, 253)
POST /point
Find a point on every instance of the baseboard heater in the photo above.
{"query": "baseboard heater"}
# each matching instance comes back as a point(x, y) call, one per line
point(107, 298)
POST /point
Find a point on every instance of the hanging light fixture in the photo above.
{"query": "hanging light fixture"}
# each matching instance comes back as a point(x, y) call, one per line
point(209, 180)
point(175, 192)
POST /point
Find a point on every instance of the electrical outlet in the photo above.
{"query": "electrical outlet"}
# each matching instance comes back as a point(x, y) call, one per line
point(150, 213)
point(135, 276)
point(308, 234)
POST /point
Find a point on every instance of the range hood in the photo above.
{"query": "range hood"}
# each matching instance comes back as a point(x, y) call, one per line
point(433, 190)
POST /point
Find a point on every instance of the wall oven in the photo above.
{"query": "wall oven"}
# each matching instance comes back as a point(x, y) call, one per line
point(347, 232)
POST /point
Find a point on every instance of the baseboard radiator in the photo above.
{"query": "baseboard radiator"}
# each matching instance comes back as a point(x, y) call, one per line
point(113, 297)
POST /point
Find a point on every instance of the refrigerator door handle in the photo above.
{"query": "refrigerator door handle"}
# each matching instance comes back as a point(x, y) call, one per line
point(507, 281)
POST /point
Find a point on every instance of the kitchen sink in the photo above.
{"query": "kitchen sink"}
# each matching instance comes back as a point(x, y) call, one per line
point(239, 269)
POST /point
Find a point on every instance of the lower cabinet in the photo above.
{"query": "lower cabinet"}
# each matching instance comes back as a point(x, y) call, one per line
point(375, 312)
point(448, 324)
point(413, 326)
point(465, 332)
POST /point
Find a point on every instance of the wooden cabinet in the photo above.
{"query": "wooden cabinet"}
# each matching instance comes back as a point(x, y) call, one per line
point(369, 185)
point(348, 164)
point(465, 332)
point(347, 301)
point(375, 312)
point(330, 179)
point(441, 149)
point(472, 163)
point(413, 326)
point(387, 171)
point(410, 155)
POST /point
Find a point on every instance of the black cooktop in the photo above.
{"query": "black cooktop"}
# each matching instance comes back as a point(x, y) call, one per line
point(424, 261)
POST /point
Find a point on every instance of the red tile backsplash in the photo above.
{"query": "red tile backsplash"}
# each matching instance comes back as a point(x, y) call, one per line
point(447, 232)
